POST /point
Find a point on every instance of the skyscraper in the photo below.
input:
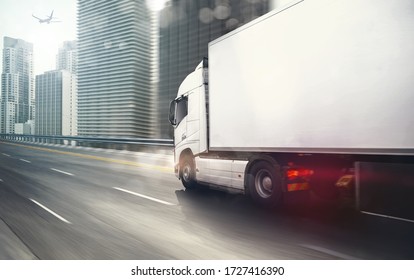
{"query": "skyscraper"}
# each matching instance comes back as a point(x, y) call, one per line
point(56, 103)
point(116, 70)
point(17, 91)
point(186, 28)
point(67, 57)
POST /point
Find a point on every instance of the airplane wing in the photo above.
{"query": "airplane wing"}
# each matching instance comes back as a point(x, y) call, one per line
point(36, 17)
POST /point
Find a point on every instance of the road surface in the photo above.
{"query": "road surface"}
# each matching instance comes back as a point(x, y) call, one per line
point(77, 203)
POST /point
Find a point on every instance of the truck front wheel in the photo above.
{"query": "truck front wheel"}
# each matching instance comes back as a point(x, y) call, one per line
point(187, 173)
point(264, 184)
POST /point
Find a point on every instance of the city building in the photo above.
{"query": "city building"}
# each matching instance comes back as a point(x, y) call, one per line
point(185, 29)
point(24, 128)
point(67, 57)
point(56, 112)
point(116, 68)
point(17, 84)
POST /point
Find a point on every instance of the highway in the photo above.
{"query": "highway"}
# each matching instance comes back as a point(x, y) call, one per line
point(70, 203)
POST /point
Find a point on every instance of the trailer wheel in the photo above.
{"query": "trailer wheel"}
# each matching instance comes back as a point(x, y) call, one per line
point(264, 183)
point(187, 173)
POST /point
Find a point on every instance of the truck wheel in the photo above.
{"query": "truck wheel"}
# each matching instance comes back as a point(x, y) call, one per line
point(188, 173)
point(265, 184)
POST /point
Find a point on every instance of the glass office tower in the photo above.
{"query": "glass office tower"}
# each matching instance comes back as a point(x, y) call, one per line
point(186, 27)
point(17, 89)
point(116, 54)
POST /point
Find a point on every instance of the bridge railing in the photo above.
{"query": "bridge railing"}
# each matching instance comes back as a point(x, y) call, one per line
point(125, 143)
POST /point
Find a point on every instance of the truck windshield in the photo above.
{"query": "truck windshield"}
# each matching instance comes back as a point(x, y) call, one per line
point(171, 115)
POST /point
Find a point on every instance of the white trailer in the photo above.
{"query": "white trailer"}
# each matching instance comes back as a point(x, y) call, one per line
point(298, 96)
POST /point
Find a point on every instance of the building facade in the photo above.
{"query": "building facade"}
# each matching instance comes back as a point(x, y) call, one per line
point(67, 57)
point(185, 28)
point(116, 69)
point(17, 90)
point(56, 111)
point(24, 128)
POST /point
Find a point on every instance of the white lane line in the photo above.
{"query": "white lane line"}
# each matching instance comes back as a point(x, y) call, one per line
point(7, 155)
point(63, 172)
point(144, 196)
point(25, 160)
point(386, 216)
point(329, 252)
point(1, 180)
point(51, 212)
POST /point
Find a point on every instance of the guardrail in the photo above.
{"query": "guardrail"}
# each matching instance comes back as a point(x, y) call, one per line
point(91, 141)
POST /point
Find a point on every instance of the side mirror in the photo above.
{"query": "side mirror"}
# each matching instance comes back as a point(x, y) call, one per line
point(171, 116)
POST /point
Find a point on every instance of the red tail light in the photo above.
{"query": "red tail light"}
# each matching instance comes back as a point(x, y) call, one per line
point(294, 173)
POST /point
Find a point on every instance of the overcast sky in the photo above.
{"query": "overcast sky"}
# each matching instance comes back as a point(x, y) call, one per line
point(17, 22)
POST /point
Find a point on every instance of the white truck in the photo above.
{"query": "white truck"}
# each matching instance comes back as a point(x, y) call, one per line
point(296, 98)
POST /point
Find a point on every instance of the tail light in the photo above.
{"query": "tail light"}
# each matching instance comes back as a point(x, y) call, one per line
point(298, 179)
point(294, 173)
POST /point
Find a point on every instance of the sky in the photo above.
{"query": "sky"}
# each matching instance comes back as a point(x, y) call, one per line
point(17, 22)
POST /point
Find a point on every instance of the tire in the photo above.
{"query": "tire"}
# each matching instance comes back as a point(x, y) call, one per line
point(187, 173)
point(264, 184)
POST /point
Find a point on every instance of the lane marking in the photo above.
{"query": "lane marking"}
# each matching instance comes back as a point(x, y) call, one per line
point(329, 252)
point(1, 180)
point(50, 211)
point(144, 196)
point(6, 155)
point(25, 160)
point(63, 172)
point(389, 217)
point(164, 169)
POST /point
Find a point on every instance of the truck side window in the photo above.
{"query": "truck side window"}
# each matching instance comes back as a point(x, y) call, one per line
point(182, 109)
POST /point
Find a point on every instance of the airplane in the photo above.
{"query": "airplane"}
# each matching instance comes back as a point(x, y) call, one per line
point(48, 20)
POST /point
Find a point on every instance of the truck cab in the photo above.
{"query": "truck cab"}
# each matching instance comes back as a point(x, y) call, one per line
point(188, 116)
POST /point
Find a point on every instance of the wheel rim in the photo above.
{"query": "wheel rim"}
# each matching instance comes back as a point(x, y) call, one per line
point(187, 172)
point(264, 183)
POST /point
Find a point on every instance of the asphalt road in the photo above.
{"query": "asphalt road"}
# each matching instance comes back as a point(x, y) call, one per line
point(77, 203)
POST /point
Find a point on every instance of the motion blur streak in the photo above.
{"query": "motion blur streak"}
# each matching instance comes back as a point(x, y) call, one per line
point(204, 224)
point(159, 168)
